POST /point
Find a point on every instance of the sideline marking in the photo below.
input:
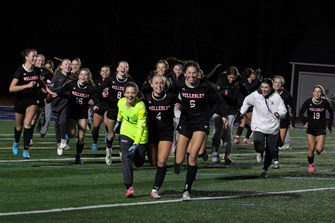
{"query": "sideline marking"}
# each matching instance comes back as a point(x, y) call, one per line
point(160, 202)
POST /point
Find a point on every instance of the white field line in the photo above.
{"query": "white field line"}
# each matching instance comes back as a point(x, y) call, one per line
point(260, 194)
point(59, 159)
point(252, 153)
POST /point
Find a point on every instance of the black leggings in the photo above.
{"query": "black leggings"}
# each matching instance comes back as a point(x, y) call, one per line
point(265, 142)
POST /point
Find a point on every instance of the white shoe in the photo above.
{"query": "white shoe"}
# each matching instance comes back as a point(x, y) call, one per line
point(108, 157)
point(59, 150)
point(154, 194)
point(275, 164)
point(259, 157)
point(63, 144)
point(186, 196)
point(215, 157)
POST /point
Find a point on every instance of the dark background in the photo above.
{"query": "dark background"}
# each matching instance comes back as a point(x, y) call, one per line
point(258, 34)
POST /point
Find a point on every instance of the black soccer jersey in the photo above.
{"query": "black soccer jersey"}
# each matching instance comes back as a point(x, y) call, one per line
point(79, 97)
point(25, 77)
point(115, 87)
point(201, 102)
point(102, 100)
point(316, 113)
point(290, 106)
point(160, 113)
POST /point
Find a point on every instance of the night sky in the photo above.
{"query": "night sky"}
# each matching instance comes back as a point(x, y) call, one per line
point(257, 34)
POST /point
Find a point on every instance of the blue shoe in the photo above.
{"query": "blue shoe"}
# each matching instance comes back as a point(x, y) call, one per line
point(94, 147)
point(15, 148)
point(25, 154)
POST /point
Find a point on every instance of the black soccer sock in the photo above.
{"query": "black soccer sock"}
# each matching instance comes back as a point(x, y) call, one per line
point(190, 176)
point(17, 135)
point(95, 135)
point(249, 131)
point(79, 148)
point(276, 154)
point(239, 131)
point(160, 175)
point(27, 135)
point(310, 159)
point(109, 143)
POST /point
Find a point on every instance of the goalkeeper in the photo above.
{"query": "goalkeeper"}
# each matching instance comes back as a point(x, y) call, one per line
point(132, 116)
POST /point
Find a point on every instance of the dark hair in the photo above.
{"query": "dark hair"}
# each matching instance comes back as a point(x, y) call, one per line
point(268, 81)
point(191, 63)
point(232, 70)
point(51, 64)
point(26, 52)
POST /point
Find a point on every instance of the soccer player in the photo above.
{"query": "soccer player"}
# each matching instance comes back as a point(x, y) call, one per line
point(230, 91)
point(199, 101)
point(115, 84)
point(133, 133)
point(160, 106)
point(315, 122)
point(59, 104)
point(82, 94)
point(286, 122)
point(28, 86)
point(100, 115)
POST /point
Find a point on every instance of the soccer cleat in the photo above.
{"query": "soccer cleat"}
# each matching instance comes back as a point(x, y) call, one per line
point(227, 161)
point(259, 157)
point(108, 157)
point(311, 168)
point(94, 147)
point(186, 196)
point(215, 157)
point(275, 164)
point(59, 150)
point(130, 192)
point(236, 141)
point(154, 194)
point(15, 148)
point(25, 155)
point(288, 146)
point(265, 174)
point(78, 160)
point(246, 141)
point(204, 156)
point(63, 144)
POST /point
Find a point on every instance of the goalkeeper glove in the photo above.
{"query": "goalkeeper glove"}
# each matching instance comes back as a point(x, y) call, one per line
point(131, 150)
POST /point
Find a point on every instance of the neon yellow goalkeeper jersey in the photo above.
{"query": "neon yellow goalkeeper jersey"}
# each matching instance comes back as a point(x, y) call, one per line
point(134, 121)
